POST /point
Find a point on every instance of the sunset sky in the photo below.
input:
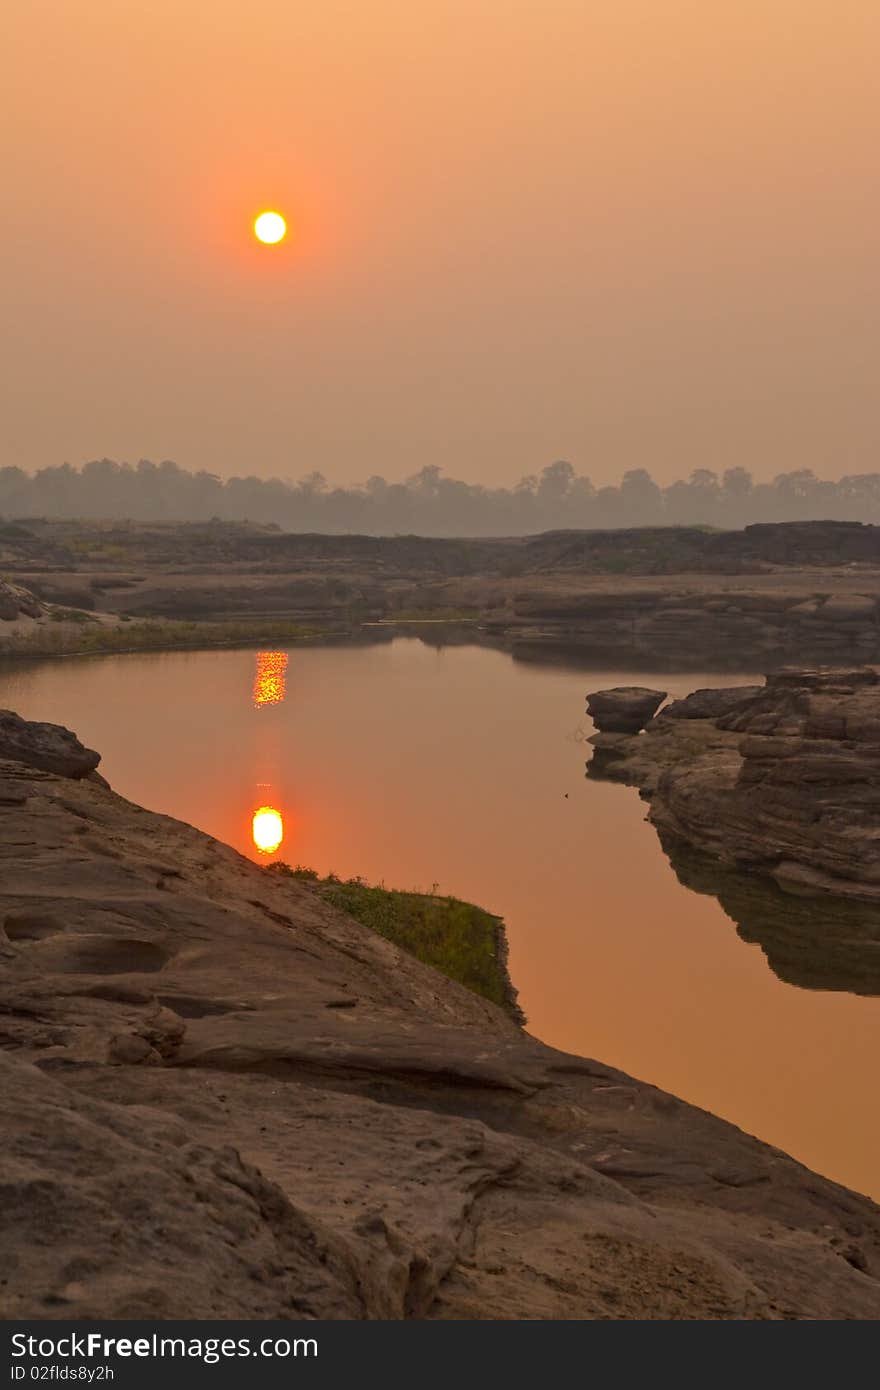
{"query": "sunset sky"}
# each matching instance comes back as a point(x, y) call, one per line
point(622, 232)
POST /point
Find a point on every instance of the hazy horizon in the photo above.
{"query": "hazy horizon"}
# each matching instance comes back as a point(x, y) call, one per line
point(431, 503)
point(612, 231)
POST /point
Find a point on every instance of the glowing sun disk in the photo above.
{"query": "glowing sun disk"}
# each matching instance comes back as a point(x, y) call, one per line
point(268, 829)
point(270, 228)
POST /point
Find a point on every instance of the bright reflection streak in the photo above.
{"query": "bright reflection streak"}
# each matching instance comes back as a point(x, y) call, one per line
point(268, 829)
point(270, 681)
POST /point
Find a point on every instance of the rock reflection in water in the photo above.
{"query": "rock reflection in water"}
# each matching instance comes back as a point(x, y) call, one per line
point(816, 942)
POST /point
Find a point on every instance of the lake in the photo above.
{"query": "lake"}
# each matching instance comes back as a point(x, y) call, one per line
point(462, 769)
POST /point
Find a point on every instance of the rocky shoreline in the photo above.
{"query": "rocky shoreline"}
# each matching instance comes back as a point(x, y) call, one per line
point(224, 1097)
point(461, 940)
point(767, 797)
point(651, 597)
point(782, 779)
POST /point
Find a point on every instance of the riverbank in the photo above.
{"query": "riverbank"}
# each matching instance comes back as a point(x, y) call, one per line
point(31, 628)
point(781, 779)
point(222, 1093)
point(464, 942)
point(767, 797)
point(653, 597)
point(151, 635)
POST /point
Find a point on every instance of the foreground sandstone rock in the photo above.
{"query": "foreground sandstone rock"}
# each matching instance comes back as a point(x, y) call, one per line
point(46, 746)
point(221, 1097)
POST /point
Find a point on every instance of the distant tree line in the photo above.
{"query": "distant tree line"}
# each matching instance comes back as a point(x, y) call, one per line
point(431, 504)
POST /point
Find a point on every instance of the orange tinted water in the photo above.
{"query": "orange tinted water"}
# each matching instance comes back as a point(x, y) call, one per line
point(463, 768)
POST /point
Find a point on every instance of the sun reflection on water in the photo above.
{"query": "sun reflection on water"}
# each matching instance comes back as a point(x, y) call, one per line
point(270, 681)
point(270, 688)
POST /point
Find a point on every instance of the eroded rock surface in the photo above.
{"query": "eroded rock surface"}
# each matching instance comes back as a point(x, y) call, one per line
point(649, 597)
point(193, 1126)
point(49, 747)
point(783, 781)
point(17, 602)
point(711, 703)
point(624, 710)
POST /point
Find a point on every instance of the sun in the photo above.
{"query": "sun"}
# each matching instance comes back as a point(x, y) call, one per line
point(268, 829)
point(270, 228)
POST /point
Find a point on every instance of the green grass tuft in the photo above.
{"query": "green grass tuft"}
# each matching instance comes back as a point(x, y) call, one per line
point(463, 941)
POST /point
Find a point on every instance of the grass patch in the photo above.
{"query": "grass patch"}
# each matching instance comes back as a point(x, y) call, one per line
point(72, 633)
point(462, 941)
point(72, 615)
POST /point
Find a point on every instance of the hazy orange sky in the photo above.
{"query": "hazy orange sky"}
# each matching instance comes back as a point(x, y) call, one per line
point(623, 232)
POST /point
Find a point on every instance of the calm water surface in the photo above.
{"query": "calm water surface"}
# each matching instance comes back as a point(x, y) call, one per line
point(462, 768)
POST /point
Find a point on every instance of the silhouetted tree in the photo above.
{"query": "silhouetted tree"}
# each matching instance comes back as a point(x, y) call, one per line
point(431, 503)
point(641, 498)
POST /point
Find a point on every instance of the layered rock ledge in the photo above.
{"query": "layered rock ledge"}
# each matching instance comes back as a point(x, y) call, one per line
point(222, 1097)
point(649, 597)
point(783, 779)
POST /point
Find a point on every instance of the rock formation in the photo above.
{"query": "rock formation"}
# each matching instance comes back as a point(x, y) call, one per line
point(221, 1097)
point(48, 747)
point(624, 710)
point(17, 602)
point(782, 780)
point(709, 704)
point(678, 624)
point(805, 801)
point(650, 597)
